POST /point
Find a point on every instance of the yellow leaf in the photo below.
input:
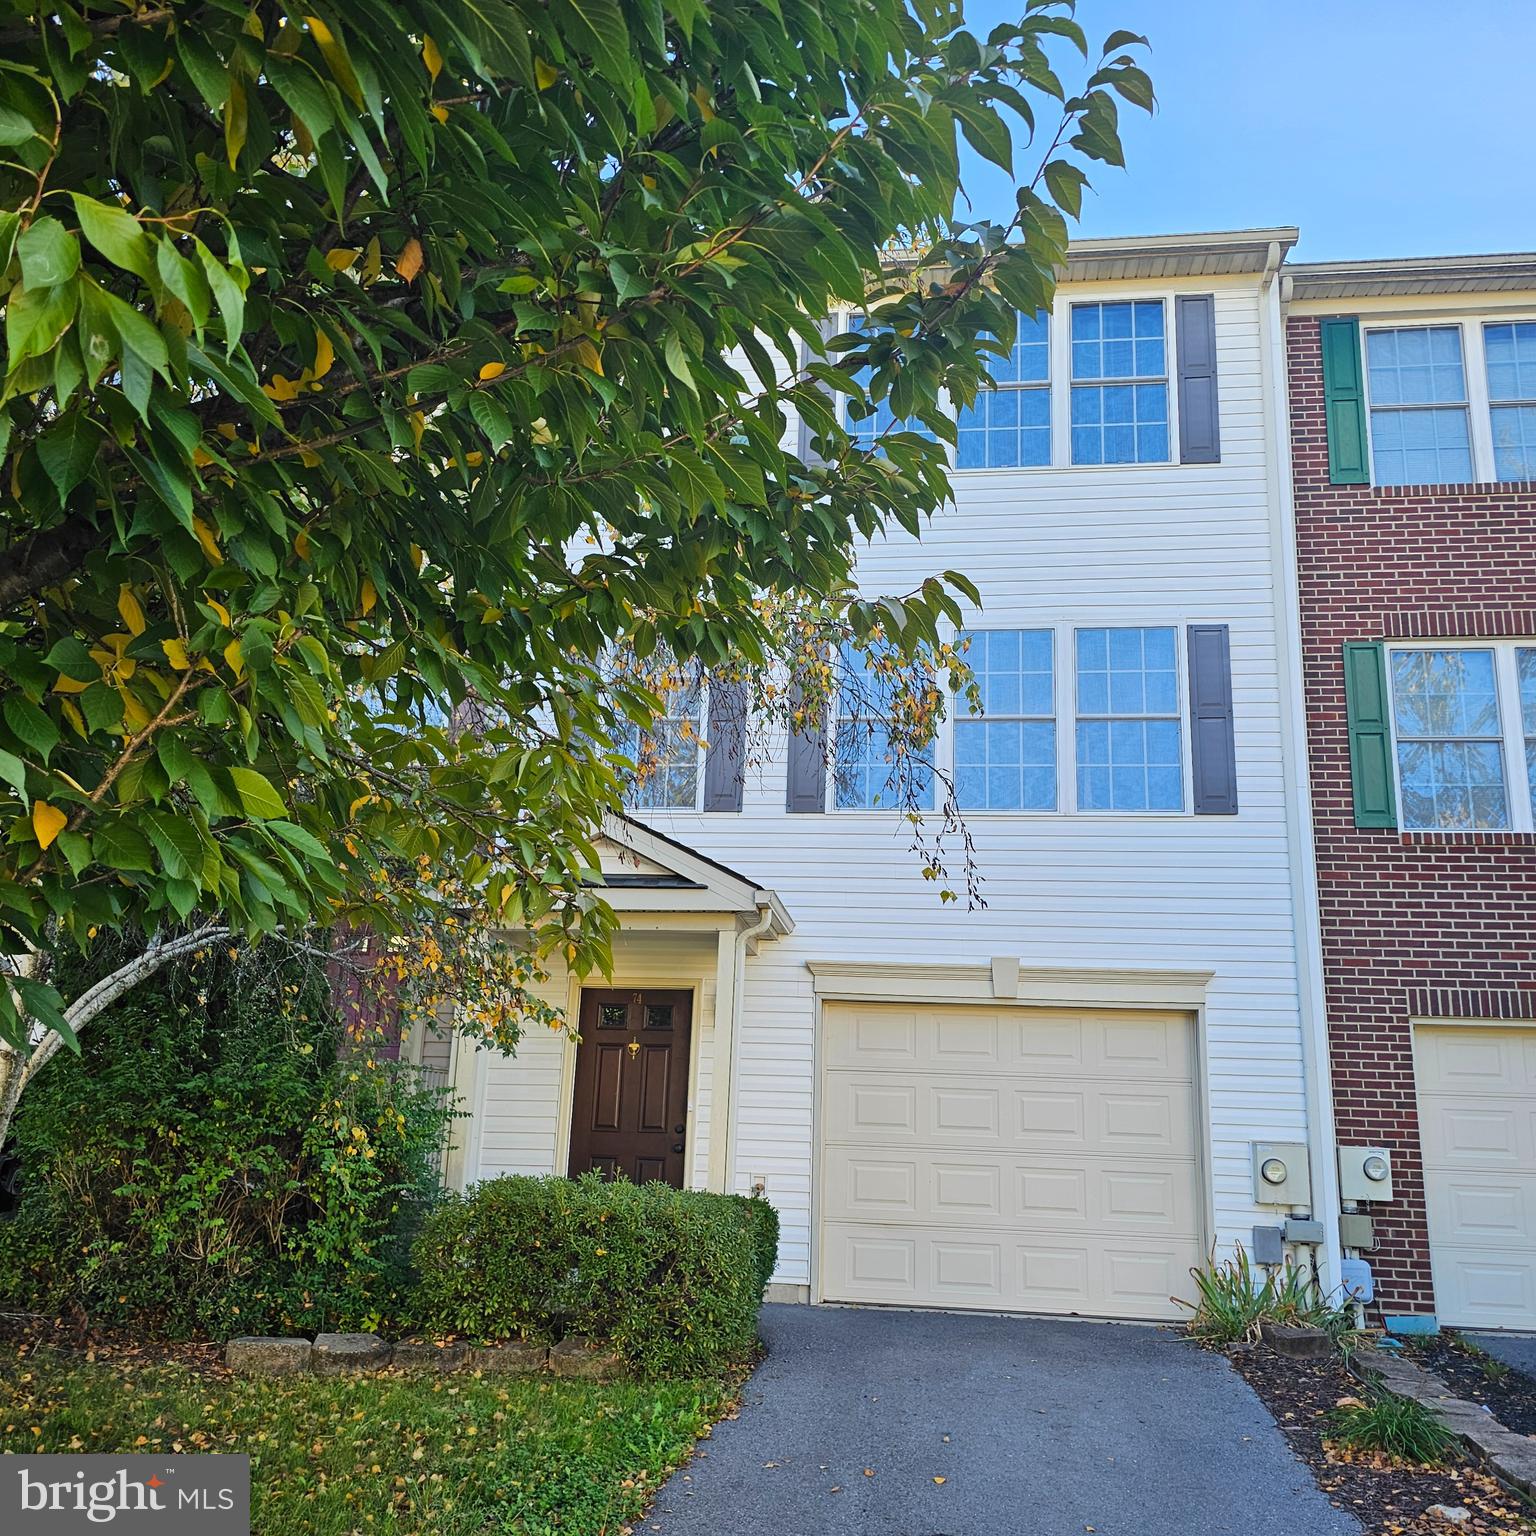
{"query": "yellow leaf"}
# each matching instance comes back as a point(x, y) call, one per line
point(588, 356)
point(325, 355)
point(938, 1479)
point(474, 458)
point(418, 423)
point(134, 713)
point(221, 610)
point(70, 685)
point(368, 596)
point(309, 458)
point(335, 57)
point(176, 654)
point(545, 74)
point(47, 821)
point(373, 261)
point(228, 431)
point(208, 541)
point(301, 544)
point(234, 120)
point(281, 388)
point(128, 606)
point(439, 111)
point(73, 715)
point(201, 458)
point(356, 805)
point(410, 260)
point(234, 659)
point(701, 101)
point(490, 371)
point(430, 56)
point(301, 136)
point(340, 257)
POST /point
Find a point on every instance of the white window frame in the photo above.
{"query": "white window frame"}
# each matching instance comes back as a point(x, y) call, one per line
point(1517, 785)
point(1168, 378)
point(1482, 340)
point(1474, 362)
point(699, 755)
point(1059, 346)
point(1064, 668)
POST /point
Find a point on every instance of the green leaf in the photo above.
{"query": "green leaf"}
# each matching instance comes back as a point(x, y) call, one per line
point(177, 843)
point(185, 281)
point(301, 841)
point(120, 845)
point(227, 292)
point(1065, 182)
point(597, 28)
point(304, 92)
point(49, 254)
point(260, 801)
point(68, 451)
point(204, 67)
point(490, 418)
point(47, 1007)
point(14, 772)
point(35, 318)
point(116, 234)
point(15, 127)
point(31, 726)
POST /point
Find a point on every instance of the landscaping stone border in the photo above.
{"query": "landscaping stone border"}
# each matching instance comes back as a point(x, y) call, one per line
point(1509, 1456)
point(338, 1354)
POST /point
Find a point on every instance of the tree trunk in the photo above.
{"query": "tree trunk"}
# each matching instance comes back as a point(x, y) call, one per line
point(17, 1070)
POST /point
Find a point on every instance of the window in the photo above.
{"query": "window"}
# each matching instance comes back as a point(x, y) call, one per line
point(1510, 351)
point(1525, 671)
point(1129, 748)
point(1450, 748)
point(865, 773)
point(1119, 383)
point(867, 430)
point(1005, 759)
point(1010, 425)
point(1418, 396)
point(666, 757)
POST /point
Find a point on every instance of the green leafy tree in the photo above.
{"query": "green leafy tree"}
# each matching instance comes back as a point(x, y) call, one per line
point(378, 363)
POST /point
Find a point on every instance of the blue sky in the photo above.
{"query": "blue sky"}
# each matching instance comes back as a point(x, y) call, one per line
point(1381, 127)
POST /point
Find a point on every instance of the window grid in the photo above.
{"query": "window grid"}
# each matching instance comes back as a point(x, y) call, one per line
point(1419, 407)
point(1119, 383)
point(1129, 735)
point(1005, 758)
point(864, 770)
point(1447, 717)
point(1009, 426)
point(667, 756)
point(1509, 352)
point(1525, 674)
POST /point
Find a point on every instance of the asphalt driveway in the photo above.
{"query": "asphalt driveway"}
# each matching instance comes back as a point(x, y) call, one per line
point(990, 1426)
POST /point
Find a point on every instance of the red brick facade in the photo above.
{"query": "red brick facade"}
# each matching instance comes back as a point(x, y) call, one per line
point(1413, 924)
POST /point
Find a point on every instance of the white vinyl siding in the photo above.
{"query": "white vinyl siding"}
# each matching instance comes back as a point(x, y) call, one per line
point(1078, 547)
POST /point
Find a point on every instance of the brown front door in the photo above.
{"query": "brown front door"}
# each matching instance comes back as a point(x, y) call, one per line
point(629, 1115)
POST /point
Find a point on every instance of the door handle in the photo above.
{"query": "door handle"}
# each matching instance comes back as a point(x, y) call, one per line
point(677, 1146)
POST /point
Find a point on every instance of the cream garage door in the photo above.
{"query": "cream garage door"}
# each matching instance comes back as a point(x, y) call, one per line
point(1009, 1159)
point(1477, 1134)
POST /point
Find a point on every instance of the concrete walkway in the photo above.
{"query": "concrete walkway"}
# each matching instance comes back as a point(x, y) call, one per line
point(877, 1423)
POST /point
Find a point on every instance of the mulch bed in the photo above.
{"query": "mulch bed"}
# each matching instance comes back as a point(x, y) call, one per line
point(1508, 1395)
point(23, 1335)
point(1387, 1500)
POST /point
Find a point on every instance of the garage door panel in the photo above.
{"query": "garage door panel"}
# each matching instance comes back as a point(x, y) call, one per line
point(1116, 1114)
point(1477, 1135)
point(1478, 1132)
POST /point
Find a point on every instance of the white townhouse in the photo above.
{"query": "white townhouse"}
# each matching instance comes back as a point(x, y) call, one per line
point(1063, 1101)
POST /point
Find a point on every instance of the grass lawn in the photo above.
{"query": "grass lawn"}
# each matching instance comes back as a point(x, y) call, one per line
point(438, 1456)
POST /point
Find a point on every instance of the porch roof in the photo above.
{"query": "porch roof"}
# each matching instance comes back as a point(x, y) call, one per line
point(646, 871)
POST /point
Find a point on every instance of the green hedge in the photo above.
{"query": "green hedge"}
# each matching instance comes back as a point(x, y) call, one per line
point(671, 1278)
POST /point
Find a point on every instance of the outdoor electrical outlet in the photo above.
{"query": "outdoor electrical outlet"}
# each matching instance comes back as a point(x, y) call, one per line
point(759, 1184)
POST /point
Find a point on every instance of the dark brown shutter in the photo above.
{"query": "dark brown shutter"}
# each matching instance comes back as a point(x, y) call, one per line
point(726, 760)
point(1213, 748)
point(1199, 397)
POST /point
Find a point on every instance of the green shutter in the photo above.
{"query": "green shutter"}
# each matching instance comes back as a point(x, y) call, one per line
point(1344, 402)
point(1370, 733)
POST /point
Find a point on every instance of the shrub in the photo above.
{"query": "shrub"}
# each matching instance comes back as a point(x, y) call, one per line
point(212, 1163)
point(671, 1278)
point(1234, 1302)
point(1398, 1427)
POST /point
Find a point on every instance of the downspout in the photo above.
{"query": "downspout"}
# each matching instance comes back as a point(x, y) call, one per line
point(764, 922)
point(1321, 1135)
